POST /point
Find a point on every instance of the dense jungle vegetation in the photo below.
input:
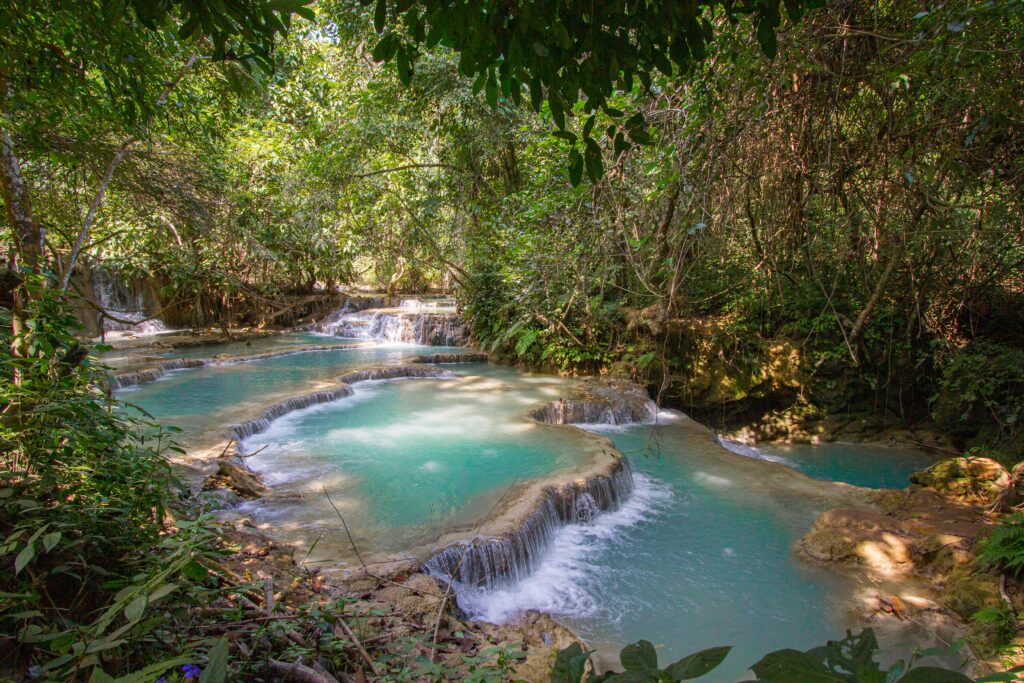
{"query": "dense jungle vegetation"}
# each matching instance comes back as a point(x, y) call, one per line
point(794, 209)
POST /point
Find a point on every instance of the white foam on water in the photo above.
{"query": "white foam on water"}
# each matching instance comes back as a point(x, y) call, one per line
point(280, 435)
point(751, 451)
point(568, 578)
point(664, 416)
point(712, 479)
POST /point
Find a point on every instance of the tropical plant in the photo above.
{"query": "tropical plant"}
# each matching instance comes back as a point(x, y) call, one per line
point(850, 660)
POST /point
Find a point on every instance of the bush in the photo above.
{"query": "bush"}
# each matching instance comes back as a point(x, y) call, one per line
point(85, 550)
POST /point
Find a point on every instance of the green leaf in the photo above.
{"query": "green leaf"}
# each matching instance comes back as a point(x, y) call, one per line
point(1008, 676)
point(24, 557)
point(932, 674)
point(595, 165)
point(135, 609)
point(570, 664)
point(639, 656)
point(557, 113)
point(216, 670)
point(575, 167)
point(783, 666)
point(697, 664)
point(766, 37)
point(100, 676)
point(404, 66)
point(50, 540)
point(380, 15)
point(384, 49)
point(195, 571)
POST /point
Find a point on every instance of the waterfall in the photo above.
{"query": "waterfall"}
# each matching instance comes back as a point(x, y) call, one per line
point(130, 379)
point(118, 299)
point(450, 358)
point(392, 372)
point(424, 328)
point(502, 561)
point(445, 304)
point(258, 425)
point(600, 403)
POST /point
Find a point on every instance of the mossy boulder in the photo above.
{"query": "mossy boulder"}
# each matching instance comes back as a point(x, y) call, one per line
point(965, 479)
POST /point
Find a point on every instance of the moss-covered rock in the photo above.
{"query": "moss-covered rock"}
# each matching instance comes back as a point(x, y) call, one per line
point(965, 479)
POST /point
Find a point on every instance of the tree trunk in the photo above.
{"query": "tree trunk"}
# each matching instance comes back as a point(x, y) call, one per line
point(28, 236)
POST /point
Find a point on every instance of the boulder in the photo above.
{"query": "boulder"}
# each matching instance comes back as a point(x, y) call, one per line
point(965, 479)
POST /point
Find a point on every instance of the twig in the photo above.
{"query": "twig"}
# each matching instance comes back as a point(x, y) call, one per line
point(358, 645)
point(299, 672)
point(268, 596)
point(437, 622)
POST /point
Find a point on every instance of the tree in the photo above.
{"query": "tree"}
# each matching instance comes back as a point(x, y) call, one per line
point(90, 79)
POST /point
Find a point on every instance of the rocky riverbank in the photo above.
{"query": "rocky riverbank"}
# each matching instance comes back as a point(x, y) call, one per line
point(404, 618)
point(914, 550)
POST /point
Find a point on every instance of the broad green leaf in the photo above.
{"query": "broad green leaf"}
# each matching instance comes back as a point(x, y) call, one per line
point(570, 664)
point(784, 666)
point(216, 670)
point(639, 656)
point(933, 674)
point(50, 540)
point(697, 664)
point(24, 557)
point(135, 609)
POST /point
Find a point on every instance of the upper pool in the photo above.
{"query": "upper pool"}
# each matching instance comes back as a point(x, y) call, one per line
point(406, 460)
point(204, 401)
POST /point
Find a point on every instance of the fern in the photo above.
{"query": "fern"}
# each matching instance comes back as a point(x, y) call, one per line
point(526, 340)
point(1004, 547)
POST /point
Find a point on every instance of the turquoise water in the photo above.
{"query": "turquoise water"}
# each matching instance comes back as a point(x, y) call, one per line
point(700, 556)
point(407, 459)
point(860, 464)
point(204, 401)
point(276, 342)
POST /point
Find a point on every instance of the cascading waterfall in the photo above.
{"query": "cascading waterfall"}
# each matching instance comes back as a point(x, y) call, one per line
point(118, 300)
point(425, 328)
point(130, 379)
point(612, 405)
point(450, 358)
point(493, 563)
point(445, 303)
point(258, 425)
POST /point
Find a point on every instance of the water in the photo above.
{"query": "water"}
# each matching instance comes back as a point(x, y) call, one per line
point(700, 556)
point(878, 467)
point(204, 401)
point(860, 464)
point(406, 460)
point(116, 298)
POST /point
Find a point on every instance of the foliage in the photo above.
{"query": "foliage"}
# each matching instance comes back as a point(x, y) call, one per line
point(850, 660)
point(560, 50)
point(980, 391)
point(640, 663)
point(1003, 548)
point(83, 501)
